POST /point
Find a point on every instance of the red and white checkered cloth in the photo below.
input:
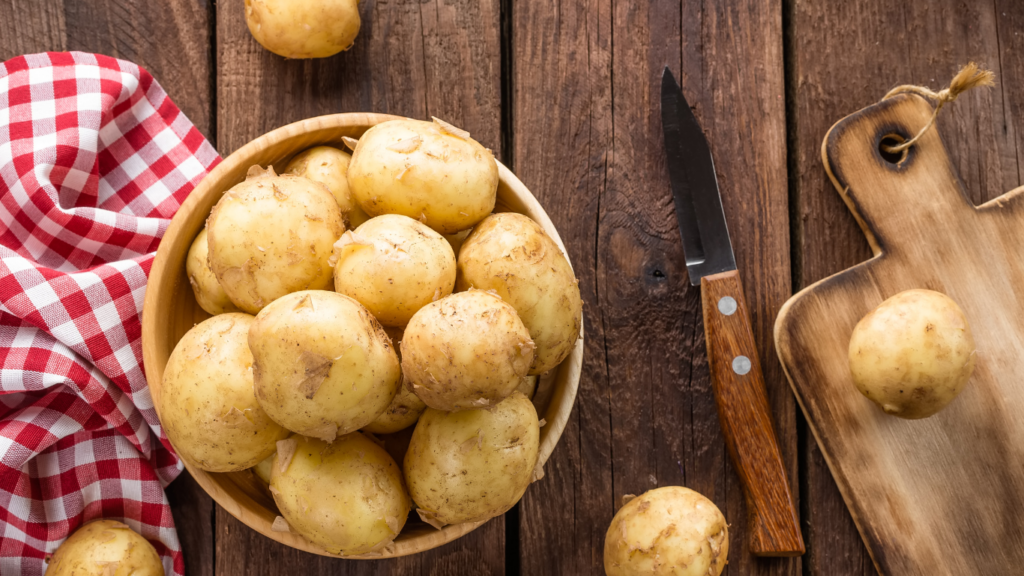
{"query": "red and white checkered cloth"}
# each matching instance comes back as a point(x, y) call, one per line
point(94, 160)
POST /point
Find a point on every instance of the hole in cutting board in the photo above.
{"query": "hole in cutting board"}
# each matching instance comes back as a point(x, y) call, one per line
point(890, 140)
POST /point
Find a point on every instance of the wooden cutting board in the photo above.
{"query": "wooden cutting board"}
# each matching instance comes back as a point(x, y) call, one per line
point(943, 495)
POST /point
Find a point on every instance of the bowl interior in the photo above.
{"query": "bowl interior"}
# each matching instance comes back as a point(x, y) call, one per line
point(170, 310)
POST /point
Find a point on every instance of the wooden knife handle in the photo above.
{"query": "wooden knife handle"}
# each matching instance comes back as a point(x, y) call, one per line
point(774, 526)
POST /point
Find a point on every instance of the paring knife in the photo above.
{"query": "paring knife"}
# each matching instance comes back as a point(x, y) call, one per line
point(743, 411)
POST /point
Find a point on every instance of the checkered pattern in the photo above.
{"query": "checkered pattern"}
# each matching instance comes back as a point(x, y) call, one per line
point(94, 160)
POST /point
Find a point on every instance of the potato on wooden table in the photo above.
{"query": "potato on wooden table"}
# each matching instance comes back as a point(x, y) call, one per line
point(208, 292)
point(913, 354)
point(668, 531)
point(472, 465)
point(303, 28)
point(510, 254)
point(329, 166)
point(394, 266)
point(323, 366)
point(105, 548)
point(428, 171)
point(465, 351)
point(207, 405)
point(347, 496)
point(272, 235)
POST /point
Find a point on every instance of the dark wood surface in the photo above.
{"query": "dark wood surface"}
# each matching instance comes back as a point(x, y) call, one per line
point(566, 94)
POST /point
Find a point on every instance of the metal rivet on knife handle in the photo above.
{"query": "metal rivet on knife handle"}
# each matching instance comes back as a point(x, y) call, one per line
point(727, 305)
point(741, 365)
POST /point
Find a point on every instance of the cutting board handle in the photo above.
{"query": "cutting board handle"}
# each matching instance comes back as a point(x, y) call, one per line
point(872, 182)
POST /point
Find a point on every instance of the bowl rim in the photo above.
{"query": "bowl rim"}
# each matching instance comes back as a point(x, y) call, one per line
point(560, 407)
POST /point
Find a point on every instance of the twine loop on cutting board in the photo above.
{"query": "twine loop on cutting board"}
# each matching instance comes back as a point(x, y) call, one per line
point(968, 77)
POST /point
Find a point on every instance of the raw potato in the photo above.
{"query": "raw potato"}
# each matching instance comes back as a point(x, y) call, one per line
point(511, 254)
point(262, 470)
point(208, 408)
point(457, 239)
point(105, 548)
point(472, 465)
point(529, 386)
point(468, 350)
point(323, 366)
point(394, 266)
point(347, 496)
point(913, 354)
point(667, 531)
point(428, 171)
point(406, 407)
point(272, 235)
point(209, 294)
point(303, 28)
point(329, 166)
point(403, 412)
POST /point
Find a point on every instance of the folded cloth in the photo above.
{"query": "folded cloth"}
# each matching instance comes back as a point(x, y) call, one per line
point(94, 160)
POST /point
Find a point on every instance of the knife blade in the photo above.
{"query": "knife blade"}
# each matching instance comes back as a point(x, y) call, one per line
point(736, 378)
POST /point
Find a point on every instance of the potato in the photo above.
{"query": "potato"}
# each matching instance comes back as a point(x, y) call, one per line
point(511, 254)
point(428, 171)
point(406, 407)
point(272, 235)
point(303, 28)
point(209, 294)
point(329, 166)
point(913, 354)
point(403, 412)
point(207, 405)
point(528, 386)
point(346, 496)
point(468, 350)
point(472, 465)
point(394, 266)
point(323, 367)
point(667, 531)
point(457, 239)
point(262, 470)
point(105, 548)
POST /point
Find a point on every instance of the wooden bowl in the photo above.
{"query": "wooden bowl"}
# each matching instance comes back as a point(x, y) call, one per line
point(171, 310)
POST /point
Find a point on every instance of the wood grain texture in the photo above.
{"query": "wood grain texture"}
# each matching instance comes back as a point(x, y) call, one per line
point(411, 58)
point(171, 39)
point(841, 57)
point(597, 165)
point(905, 481)
point(746, 419)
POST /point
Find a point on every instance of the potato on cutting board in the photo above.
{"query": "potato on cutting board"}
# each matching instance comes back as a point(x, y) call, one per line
point(913, 354)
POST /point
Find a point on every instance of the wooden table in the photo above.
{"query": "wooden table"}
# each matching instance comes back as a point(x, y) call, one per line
point(566, 94)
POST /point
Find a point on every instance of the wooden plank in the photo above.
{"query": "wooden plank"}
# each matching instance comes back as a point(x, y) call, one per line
point(840, 58)
point(172, 41)
point(645, 402)
point(411, 58)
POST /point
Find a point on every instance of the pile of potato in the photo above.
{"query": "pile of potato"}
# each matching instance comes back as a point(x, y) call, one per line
point(360, 295)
